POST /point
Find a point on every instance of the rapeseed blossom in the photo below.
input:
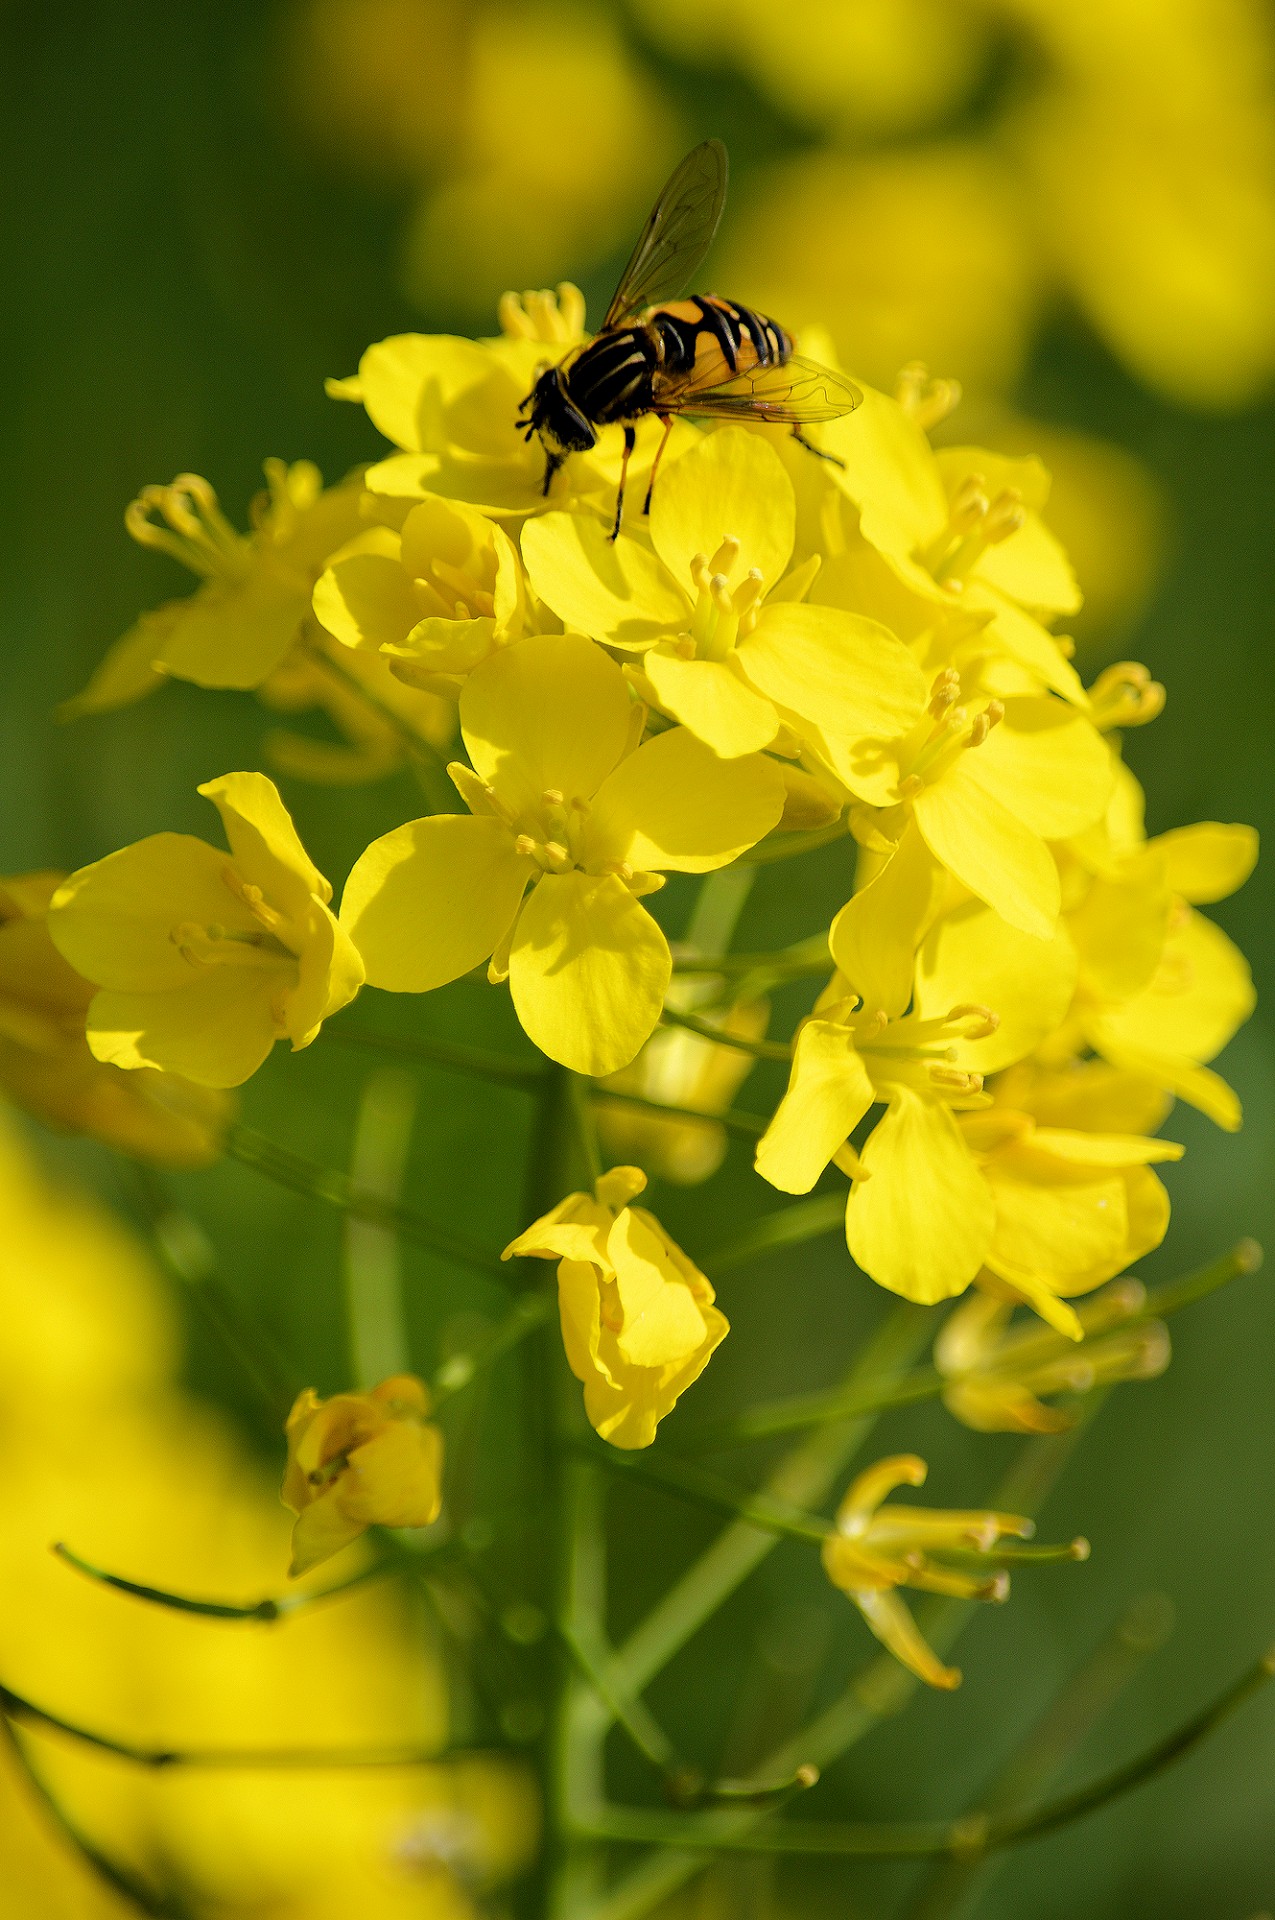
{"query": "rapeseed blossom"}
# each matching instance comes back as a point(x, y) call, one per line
point(571, 821)
point(45, 1062)
point(638, 1321)
point(360, 1460)
point(878, 1548)
point(204, 959)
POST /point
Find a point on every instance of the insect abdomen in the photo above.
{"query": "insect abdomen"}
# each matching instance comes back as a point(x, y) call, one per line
point(706, 336)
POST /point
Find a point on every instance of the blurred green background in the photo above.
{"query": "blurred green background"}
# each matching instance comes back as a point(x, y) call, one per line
point(207, 210)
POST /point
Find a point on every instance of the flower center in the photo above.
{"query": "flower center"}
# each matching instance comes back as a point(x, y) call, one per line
point(722, 614)
point(974, 523)
point(272, 943)
point(448, 592)
point(921, 1053)
point(945, 731)
point(552, 834)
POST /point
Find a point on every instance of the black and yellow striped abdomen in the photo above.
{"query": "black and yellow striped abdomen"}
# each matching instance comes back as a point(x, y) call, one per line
point(668, 354)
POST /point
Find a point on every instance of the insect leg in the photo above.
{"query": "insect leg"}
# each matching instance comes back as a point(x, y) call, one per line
point(666, 421)
point(552, 462)
point(630, 441)
point(833, 458)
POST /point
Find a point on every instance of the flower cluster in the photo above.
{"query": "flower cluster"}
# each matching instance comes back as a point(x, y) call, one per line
point(861, 652)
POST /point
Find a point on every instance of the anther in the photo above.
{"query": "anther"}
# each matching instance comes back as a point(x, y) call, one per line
point(700, 571)
point(985, 1021)
point(944, 692)
point(553, 797)
point(1005, 516)
point(556, 852)
point(525, 845)
point(726, 556)
point(685, 647)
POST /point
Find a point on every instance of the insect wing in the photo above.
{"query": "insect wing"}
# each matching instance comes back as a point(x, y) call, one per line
point(677, 236)
point(797, 393)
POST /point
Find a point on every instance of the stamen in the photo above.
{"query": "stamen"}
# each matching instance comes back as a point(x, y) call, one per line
point(525, 845)
point(985, 1022)
point(926, 401)
point(1125, 695)
point(726, 556)
point(553, 797)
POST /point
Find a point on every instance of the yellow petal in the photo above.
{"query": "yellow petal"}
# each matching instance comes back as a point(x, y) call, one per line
point(663, 1323)
point(846, 674)
point(875, 936)
point(713, 700)
point(434, 898)
point(675, 805)
point(321, 1530)
point(407, 381)
point(972, 956)
point(588, 971)
point(920, 1219)
point(1120, 927)
point(891, 474)
point(1207, 861)
point(365, 597)
point(128, 672)
point(894, 1627)
point(1200, 995)
point(620, 593)
point(236, 635)
point(828, 1094)
point(730, 484)
point(990, 851)
point(216, 1029)
point(1048, 765)
point(1053, 1221)
point(265, 844)
point(552, 712)
point(329, 974)
point(395, 1479)
point(114, 920)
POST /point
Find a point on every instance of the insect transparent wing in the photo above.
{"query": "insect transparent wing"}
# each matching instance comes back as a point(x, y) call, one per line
point(797, 393)
point(677, 236)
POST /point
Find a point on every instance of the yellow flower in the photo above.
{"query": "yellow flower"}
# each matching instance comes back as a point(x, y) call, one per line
point(725, 646)
point(238, 626)
point(436, 598)
point(920, 1217)
point(877, 1549)
point(561, 800)
point(638, 1320)
point(360, 1460)
point(1072, 1207)
point(961, 530)
point(204, 959)
point(1000, 1378)
point(45, 1062)
point(1161, 988)
point(686, 1070)
point(451, 406)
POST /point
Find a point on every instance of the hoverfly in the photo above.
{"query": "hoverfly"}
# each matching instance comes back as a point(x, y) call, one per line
point(657, 354)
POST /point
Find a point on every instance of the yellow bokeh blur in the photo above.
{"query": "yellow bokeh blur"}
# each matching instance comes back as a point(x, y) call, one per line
point(101, 1448)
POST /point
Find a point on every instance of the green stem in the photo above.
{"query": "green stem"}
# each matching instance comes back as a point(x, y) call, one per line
point(787, 846)
point(335, 1189)
point(781, 963)
point(245, 1759)
point(802, 1480)
point(773, 1232)
point(793, 1415)
point(275, 1608)
point(474, 1061)
point(746, 1126)
point(1079, 1706)
point(376, 1330)
point(760, 1049)
point(971, 1835)
point(428, 765)
point(457, 1372)
point(674, 1477)
point(139, 1896)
